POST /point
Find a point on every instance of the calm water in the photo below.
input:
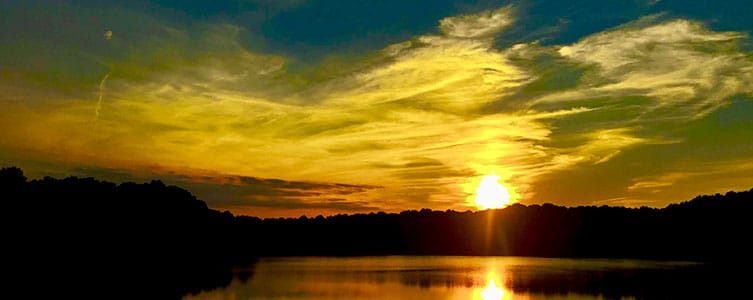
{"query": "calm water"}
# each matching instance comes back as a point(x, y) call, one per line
point(483, 278)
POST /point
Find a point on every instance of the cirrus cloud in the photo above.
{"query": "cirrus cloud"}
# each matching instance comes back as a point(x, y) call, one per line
point(422, 119)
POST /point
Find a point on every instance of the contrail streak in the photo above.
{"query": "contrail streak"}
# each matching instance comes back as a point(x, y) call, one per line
point(99, 102)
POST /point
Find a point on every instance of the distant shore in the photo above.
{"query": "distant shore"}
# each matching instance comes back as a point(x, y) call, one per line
point(160, 231)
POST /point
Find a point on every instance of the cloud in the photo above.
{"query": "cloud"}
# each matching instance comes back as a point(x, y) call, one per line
point(698, 173)
point(433, 72)
point(687, 70)
point(248, 192)
point(481, 25)
point(416, 124)
point(649, 185)
point(233, 191)
point(276, 197)
point(622, 201)
point(631, 43)
point(605, 144)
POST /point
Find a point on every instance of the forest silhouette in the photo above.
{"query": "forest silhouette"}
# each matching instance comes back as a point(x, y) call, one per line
point(150, 236)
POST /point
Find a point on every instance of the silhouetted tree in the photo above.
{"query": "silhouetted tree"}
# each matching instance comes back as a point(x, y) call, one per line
point(12, 176)
point(161, 239)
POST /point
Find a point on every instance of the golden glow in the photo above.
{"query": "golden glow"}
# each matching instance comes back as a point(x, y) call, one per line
point(418, 120)
point(492, 292)
point(491, 194)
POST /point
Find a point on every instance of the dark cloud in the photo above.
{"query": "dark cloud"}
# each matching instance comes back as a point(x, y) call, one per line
point(247, 192)
point(359, 147)
point(338, 204)
point(229, 191)
point(417, 162)
point(424, 168)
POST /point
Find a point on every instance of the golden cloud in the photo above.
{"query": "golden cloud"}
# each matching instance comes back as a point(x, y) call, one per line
point(415, 121)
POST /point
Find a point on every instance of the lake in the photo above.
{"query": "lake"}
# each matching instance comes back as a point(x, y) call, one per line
point(482, 278)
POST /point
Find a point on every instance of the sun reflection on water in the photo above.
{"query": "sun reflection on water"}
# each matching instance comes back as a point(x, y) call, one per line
point(492, 292)
point(494, 289)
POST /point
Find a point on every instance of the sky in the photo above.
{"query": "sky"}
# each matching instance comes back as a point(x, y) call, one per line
point(285, 108)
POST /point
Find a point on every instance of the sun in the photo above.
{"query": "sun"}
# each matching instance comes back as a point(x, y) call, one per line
point(491, 194)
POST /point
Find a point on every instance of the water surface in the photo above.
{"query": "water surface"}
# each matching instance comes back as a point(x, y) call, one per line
point(451, 277)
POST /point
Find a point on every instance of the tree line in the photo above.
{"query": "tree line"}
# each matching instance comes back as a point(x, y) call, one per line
point(152, 235)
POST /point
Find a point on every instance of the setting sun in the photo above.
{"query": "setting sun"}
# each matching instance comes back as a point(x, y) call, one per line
point(491, 194)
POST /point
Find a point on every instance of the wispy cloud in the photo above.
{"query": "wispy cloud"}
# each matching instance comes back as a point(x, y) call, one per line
point(686, 70)
point(485, 24)
point(649, 185)
point(415, 124)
